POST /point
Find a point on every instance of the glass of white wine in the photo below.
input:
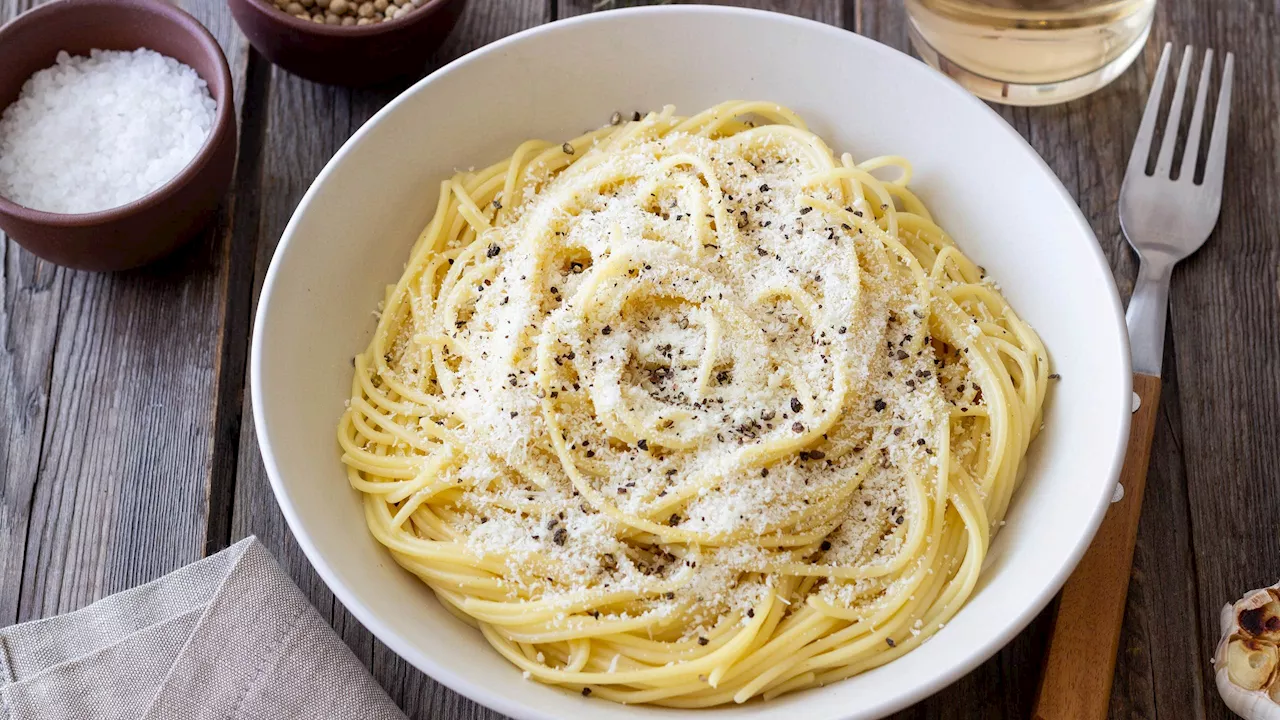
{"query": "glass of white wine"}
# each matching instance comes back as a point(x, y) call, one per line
point(1030, 52)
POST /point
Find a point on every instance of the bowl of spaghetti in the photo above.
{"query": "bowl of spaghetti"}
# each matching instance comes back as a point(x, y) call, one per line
point(795, 384)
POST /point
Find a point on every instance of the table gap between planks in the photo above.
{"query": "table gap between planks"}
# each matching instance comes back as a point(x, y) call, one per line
point(127, 445)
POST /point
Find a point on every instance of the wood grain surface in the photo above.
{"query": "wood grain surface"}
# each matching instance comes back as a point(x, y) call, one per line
point(127, 445)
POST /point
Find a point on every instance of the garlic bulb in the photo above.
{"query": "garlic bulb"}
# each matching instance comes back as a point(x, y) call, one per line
point(1248, 657)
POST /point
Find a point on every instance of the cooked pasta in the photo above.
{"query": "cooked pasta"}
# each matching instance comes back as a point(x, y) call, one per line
point(689, 411)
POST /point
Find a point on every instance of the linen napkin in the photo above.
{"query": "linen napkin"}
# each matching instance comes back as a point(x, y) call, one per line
point(229, 637)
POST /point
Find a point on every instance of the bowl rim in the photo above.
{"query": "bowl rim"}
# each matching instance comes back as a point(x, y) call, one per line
point(223, 119)
point(417, 16)
point(478, 692)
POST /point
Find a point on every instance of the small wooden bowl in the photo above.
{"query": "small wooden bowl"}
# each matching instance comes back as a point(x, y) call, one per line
point(156, 224)
point(352, 56)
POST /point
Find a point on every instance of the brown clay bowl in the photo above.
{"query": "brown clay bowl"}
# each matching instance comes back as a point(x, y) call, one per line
point(352, 56)
point(156, 224)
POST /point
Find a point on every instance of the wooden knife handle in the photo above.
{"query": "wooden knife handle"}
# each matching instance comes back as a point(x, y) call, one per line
point(1086, 633)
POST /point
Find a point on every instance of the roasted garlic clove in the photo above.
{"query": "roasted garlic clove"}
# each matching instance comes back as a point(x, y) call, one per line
point(1248, 657)
point(1259, 614)
point(1251, 663)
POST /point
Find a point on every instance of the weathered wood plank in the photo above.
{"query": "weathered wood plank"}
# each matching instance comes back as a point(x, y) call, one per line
point(31, 290)
point(290, 161)
point(1225, 304)
point(884, 22)
point(237, 302)
point(107, 411)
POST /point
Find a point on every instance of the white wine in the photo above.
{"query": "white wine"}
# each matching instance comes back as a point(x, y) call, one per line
point(1030, 52)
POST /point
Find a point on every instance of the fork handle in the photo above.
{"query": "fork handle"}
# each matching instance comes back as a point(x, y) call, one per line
point(1086, 633)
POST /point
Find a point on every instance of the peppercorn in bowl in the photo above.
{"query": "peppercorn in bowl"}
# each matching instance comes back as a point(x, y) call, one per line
point(348, 42)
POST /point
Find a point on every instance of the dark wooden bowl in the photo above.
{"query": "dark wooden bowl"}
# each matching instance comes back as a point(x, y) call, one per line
point(156, 224)
point(353, 56)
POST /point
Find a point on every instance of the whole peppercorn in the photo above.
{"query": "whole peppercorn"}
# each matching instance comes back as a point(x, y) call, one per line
point(347, 13)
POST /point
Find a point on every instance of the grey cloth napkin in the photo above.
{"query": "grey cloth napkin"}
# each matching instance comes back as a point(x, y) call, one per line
point(227, 638)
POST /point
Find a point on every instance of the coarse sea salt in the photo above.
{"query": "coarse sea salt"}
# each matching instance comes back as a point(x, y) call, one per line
point(97, 132)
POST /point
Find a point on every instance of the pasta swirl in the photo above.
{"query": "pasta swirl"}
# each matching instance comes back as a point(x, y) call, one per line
point(688, 411)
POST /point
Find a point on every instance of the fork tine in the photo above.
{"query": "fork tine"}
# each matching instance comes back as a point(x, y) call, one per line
point(1192, 151)
point(1217, 158)
point(1147, 128)
point(1165, 161)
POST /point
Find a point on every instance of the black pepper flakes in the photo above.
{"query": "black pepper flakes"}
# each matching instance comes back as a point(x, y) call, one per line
point(890, 642)
point(607, 329)
point(797, 427)
point(703, 641)
point(643, 444)
point(806, 210)
point(493, 250)
point(880, 405)
point(560, 536)
point(825, 546)
point(586, 691)
point(567, 148)
point(796, 405)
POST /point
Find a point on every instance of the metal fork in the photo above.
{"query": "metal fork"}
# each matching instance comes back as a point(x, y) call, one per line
point(1165, 219)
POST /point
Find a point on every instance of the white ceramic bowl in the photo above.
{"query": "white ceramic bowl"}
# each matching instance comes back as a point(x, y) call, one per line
point(351, 234)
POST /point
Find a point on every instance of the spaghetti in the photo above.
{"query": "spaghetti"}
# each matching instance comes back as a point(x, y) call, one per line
point(688, 411)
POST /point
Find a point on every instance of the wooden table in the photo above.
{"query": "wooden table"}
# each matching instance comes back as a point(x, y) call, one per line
point(127, 447)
